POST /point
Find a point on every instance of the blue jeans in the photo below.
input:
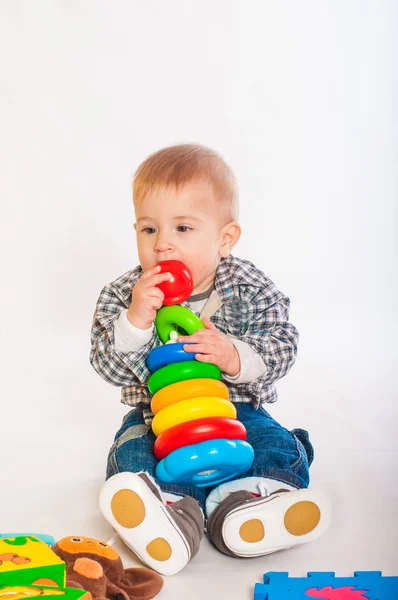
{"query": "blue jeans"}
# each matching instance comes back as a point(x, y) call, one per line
point(279, 453)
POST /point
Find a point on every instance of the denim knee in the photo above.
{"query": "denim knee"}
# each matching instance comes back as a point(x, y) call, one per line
point(279, 453)
point(304, 439)
point(132, 451)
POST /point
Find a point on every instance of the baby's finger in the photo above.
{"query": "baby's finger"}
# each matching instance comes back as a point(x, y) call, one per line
point(156, 303)
point(209, 325)
point(150, 272)
point(207, 358)
point(154, 280)
point(199, 348)
point(199, 336)
point(154, 292)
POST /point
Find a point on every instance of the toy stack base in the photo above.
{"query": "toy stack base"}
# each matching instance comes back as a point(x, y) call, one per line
point(199, 440)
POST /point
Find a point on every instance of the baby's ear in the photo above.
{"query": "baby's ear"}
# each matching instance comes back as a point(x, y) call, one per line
point(231, 233)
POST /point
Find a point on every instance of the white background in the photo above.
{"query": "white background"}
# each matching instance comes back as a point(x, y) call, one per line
point(301, 99)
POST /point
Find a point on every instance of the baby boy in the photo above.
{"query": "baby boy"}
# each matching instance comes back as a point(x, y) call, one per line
point(186, 207)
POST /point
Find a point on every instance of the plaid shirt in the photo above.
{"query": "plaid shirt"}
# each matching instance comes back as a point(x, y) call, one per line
point(252, 310)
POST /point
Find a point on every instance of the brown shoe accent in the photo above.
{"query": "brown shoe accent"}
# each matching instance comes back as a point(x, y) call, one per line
point(251, 531)
point(217, 518)
point(151, 485)
point(128, 508)
point(129, 511)
point(302, 517)
point(189, 518)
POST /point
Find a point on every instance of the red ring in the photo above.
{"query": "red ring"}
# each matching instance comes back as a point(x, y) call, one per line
point(180, 286)
point(200, 430)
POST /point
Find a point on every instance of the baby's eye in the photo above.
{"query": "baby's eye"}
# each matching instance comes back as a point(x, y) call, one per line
point(149, 230)
point(183, 228)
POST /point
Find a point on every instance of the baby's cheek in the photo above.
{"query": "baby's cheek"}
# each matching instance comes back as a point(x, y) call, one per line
point(200, 266)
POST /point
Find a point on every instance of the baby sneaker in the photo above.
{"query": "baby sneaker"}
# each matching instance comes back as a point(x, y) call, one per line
point(163, 537)
point(245, 526)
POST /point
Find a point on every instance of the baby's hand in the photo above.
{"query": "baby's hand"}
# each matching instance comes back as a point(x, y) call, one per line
point(213, 346)
point(146, 298)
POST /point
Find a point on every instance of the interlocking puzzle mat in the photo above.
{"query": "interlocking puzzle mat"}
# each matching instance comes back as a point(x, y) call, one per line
point(365, 585)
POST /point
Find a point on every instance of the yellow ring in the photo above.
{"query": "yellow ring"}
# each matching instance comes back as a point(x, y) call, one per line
point(190, 410)
point(185, 390)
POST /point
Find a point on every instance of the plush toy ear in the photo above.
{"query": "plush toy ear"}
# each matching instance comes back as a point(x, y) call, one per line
point(140, 583)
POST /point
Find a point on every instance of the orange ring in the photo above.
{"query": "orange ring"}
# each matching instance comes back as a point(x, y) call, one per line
point(185, 390)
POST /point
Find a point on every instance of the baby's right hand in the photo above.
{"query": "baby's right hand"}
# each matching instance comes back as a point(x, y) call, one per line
point(146, 298)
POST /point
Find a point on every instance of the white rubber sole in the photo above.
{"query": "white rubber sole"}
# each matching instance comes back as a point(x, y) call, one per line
point(277, 522)
point(143, 523)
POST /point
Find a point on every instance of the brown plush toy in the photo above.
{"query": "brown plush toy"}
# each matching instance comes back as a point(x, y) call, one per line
point(96, 567)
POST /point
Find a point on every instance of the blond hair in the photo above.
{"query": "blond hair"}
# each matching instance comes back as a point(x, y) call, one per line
point(178, 165)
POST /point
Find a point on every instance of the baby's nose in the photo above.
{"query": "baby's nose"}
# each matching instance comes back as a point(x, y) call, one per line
point(162, 245)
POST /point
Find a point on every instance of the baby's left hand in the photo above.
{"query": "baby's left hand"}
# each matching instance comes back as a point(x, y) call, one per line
point(213, 346)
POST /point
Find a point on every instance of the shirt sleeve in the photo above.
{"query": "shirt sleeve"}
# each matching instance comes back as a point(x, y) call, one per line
point(129, 338)
point(270, 334)
point(120, 367)
point(251, 363)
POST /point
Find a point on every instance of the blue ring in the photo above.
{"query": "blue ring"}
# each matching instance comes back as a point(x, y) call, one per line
point(225, 459)
point(165, 355)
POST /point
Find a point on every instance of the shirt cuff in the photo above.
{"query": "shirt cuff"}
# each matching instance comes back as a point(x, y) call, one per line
point(129, 338)
point(252, 365)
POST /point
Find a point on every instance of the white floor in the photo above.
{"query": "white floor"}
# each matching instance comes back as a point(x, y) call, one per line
point(363, 536)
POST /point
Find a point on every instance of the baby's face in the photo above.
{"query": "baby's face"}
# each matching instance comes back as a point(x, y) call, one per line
point(185, 225)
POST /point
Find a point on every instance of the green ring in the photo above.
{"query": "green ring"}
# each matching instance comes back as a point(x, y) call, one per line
point(182, 371)
point(170, 316)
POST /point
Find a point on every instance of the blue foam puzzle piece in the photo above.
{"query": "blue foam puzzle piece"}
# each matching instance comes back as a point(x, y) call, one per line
point(368, 585)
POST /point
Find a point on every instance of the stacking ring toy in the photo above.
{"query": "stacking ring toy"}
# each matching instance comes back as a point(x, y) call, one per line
point(169, 353)
point(197, 431)
point(189, 410)
point(184, 390)
point(174, 318)
point(180, 286)
point(179, 372)
point(190, 464)
point(199, 439)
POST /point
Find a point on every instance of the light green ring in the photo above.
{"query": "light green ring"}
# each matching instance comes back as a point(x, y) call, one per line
point(170, 316)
